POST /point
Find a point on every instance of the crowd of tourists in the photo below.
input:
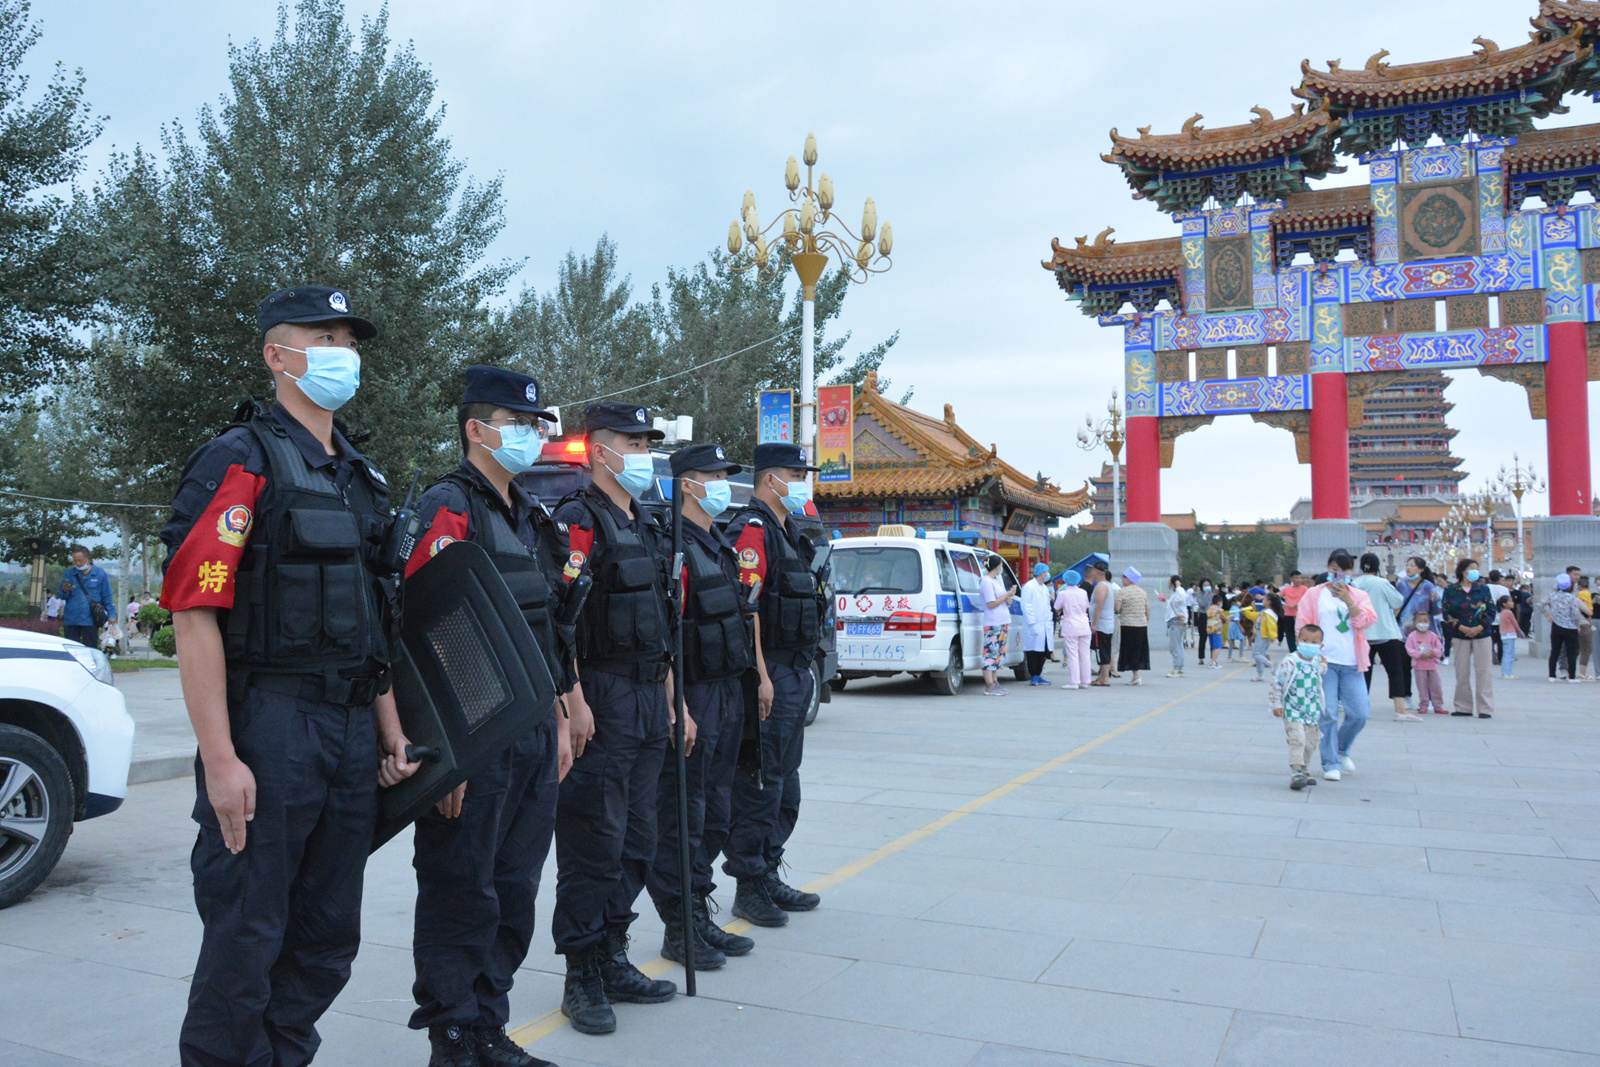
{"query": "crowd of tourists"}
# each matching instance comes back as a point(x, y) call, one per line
point(1334, 629)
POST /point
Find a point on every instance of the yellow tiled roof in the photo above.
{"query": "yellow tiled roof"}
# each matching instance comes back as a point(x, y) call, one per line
point(952, 463)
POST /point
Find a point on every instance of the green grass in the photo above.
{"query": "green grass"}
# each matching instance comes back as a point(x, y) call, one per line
point(127, 666)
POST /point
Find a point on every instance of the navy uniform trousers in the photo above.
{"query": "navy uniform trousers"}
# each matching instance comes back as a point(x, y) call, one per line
point(764, 814)
point(606, 817)
point(477, 877)
point(717, 709)
point(283, 917)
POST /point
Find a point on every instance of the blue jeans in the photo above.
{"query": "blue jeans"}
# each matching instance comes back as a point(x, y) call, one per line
point(1508, 655)
point(1343, 684)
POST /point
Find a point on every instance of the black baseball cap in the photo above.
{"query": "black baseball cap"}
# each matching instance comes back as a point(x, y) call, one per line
point(780, 454)
point(623, 418)
point(311, 303)
point(701, 458)
point(504, 389)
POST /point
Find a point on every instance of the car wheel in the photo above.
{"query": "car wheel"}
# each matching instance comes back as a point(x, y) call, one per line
point(1020, 672)
point(948, 682)
point(816, 695)
point(36, 806)
point(837, 683)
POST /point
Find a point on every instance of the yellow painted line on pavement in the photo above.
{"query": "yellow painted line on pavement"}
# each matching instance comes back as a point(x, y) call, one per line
point(553, 1021)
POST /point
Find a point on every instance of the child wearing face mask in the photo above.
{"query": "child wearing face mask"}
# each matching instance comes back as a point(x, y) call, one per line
point(1298, 698)
point(1426, 650)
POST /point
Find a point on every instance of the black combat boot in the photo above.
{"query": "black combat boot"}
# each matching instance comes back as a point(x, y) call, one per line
point(452, 1047)
point(706, 958)
point(496, 1049)
point(752, 904)
point(584, 999)
point(714, 935)
point(787, 896)
point(625, 982)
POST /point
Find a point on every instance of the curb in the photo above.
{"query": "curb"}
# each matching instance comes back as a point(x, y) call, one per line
point(160, 769)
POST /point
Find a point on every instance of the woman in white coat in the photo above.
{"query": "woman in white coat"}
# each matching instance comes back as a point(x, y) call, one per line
point(1038, 636)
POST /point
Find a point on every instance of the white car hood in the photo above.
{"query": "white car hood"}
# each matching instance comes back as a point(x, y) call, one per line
point(14, 638)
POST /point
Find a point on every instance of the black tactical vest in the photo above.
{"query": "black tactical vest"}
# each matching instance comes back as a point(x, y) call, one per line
point(306, 601)
point(790, 614)
point(716, 637)
point(624, 619)
point(529, 576)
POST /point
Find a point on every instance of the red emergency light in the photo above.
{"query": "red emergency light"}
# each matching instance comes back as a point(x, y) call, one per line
point(575, 450)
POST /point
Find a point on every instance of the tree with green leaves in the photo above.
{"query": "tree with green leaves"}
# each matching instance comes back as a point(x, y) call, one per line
point(42, 290)
point(39, 458)
point(325, 163)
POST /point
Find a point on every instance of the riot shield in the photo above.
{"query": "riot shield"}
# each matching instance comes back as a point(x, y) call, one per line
point(469, 679)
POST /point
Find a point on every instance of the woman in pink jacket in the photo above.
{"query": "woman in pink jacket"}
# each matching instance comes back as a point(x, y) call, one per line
point(1344, 613)
point(1072, 604)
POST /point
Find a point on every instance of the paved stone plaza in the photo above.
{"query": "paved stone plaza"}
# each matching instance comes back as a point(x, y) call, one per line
point(1057, 878)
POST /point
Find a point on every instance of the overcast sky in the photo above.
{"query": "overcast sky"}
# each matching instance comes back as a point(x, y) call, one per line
point(976, 127)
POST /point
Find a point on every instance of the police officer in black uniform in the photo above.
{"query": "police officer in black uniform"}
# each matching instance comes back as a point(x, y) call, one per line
point(775, 562)
point(717, 649)
point(275, 582)
point(606, 817)
point(479, 856)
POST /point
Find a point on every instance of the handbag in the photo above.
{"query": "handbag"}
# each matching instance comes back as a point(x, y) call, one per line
point(97, 611)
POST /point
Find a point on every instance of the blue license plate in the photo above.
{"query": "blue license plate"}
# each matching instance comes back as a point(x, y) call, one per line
point(863, 629)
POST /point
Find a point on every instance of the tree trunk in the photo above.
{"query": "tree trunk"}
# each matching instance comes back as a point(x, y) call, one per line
point(125, 532)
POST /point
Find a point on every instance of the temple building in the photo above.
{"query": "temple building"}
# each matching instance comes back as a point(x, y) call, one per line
point(1402, 447)
point(927, 472)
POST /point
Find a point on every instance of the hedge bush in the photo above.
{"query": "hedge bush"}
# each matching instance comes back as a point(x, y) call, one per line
point(164, 642)
point(154, 615)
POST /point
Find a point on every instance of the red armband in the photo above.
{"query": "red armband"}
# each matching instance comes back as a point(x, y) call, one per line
point(751, 548)
point(201, 572)
point(446, 529)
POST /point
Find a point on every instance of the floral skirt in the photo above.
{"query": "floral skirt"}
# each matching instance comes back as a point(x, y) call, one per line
point(994, 646)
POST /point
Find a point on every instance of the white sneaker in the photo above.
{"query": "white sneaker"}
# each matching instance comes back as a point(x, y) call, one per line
point(1553, 681)
point(1406, 716)
point(1332, 774)
point(1346, 763)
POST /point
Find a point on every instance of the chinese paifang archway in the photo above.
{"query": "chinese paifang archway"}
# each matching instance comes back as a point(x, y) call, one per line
point(1253, 309)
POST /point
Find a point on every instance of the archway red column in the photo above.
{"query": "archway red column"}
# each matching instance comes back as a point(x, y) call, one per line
point(1566, 424)
point(1144, 469)
point(1330, 446)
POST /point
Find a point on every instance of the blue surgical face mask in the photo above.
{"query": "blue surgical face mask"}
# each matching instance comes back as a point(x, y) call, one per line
point(798, 496)
point(332, 375)
point(1308, 650)
point(638, 469)
point(1205, 588)
point(718, 495)
point(519, 449)
point(1472, 576)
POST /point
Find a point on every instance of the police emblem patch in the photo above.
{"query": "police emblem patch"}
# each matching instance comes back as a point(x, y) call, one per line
point(233, 525)
point(442, 543)
point(532, 392)
point(748, 558)
point(719, 452)
point(638, 416)
point(337, 302)
point(574, 566)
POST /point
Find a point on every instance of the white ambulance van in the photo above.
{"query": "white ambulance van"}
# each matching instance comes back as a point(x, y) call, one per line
point(907, 603)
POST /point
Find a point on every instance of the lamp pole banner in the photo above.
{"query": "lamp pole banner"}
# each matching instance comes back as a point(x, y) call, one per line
point(775, 417)
point(835, 433)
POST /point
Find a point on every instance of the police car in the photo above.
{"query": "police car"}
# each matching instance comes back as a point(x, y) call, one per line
point(66, 740)
point(907, 602)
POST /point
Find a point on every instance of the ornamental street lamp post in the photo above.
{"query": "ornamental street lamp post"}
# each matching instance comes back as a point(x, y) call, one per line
point(1110, 433)
point(808, 241)
point(1517, 481)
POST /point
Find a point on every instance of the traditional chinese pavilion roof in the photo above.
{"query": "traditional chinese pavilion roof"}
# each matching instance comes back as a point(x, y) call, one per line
point(949, 462)
point(1107, 274)
point(1567, 14)
point(1268, 157)
point(1493, 92)
point(1559, 149)
point(1487, 71)
point(1325, 209)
